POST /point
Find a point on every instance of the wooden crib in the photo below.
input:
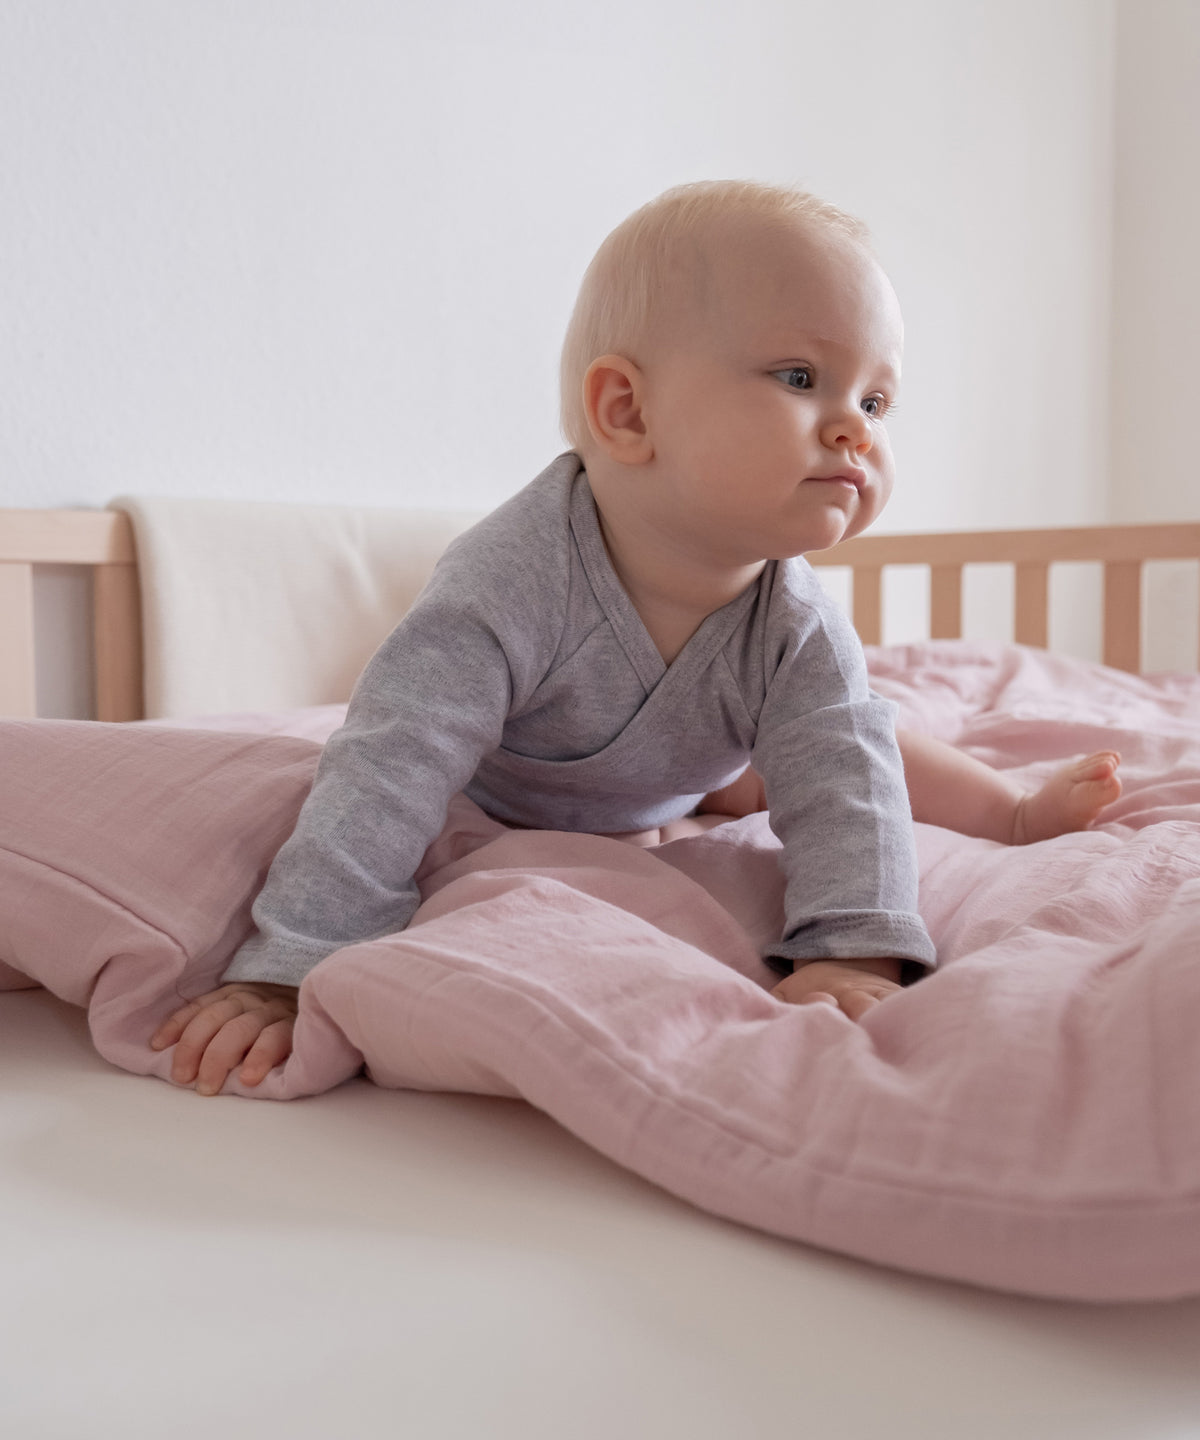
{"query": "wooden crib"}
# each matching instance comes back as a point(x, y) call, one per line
point(103, 542)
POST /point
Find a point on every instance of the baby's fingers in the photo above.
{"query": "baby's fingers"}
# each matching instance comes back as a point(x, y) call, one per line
point(856, 1003)
point(177, 1022)
point(208, 1020)
point(230, 1046)
point(823, 997)
point(173, 1026)
point(272, 1047)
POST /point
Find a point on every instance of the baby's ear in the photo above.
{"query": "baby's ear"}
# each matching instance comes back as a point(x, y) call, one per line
point(613, 390)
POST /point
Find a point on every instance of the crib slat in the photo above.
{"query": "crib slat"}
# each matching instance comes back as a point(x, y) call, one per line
point(868, 603)
point(945, 602)
point(18, 683)
point(117, 626)
point(1123, 615)
point(1031, 624)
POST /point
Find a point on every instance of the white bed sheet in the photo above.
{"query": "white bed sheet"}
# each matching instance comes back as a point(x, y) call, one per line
point(373, 1263)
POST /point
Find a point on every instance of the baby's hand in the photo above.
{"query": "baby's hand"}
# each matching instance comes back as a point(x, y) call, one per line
point(852, 985)
point(246, 1023)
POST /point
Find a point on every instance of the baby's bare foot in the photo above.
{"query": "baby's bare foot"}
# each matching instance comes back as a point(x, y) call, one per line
point(1070, 800)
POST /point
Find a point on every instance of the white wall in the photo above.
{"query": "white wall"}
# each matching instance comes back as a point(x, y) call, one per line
point(1156, 251)
point(325, 249)
point(1155, 465)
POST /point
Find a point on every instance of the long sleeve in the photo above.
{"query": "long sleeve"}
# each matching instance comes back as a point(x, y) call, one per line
point(827, 752)
point(431, 702)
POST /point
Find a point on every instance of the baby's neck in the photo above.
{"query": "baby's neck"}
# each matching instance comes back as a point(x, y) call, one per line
point(672, 592)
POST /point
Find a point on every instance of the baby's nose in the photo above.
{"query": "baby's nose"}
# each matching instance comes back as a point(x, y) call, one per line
point(849, 428)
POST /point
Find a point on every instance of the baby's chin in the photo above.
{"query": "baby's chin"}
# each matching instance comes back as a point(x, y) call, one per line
point(818, 537)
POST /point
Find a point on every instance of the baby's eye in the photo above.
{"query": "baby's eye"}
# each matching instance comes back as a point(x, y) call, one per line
point(799, 377)
point(876, 406)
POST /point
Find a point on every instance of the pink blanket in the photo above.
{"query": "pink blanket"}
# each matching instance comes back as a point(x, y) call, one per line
point(1027, 1118)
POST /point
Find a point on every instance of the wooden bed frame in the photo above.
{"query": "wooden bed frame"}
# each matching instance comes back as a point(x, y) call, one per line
point(103, 541)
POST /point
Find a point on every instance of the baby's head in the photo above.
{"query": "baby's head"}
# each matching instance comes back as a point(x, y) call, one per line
point(734, 341)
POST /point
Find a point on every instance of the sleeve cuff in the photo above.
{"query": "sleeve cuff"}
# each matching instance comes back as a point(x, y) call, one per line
point(272, 964)
point(860, 935)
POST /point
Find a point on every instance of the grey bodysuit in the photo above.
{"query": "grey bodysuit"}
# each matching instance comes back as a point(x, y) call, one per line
point(524, 676)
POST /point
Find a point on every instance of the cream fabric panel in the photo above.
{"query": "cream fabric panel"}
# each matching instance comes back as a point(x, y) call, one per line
point(253, 605)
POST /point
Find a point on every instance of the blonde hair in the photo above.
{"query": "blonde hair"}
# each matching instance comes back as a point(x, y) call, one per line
point(629, 280)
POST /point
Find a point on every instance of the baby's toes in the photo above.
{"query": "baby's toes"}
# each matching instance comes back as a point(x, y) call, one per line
point(1088, 795)
point(1101, 766)
point(1070, 800)
point(1100, 773)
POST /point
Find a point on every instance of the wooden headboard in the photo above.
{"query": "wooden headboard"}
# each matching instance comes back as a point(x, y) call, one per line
point(103, 541)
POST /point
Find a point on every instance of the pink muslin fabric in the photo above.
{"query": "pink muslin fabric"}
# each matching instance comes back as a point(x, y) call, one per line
point(1028, 1118)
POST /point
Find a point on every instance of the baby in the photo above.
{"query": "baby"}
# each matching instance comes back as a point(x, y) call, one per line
point(610, 648)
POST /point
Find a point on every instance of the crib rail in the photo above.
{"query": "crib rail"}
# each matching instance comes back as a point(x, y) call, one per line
point(1122, 551)
point(103, 541)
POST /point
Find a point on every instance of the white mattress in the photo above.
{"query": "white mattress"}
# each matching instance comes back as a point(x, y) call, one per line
point(379, 1264)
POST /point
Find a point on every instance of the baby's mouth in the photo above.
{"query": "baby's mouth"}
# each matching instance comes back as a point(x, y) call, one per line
point(854, 479)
